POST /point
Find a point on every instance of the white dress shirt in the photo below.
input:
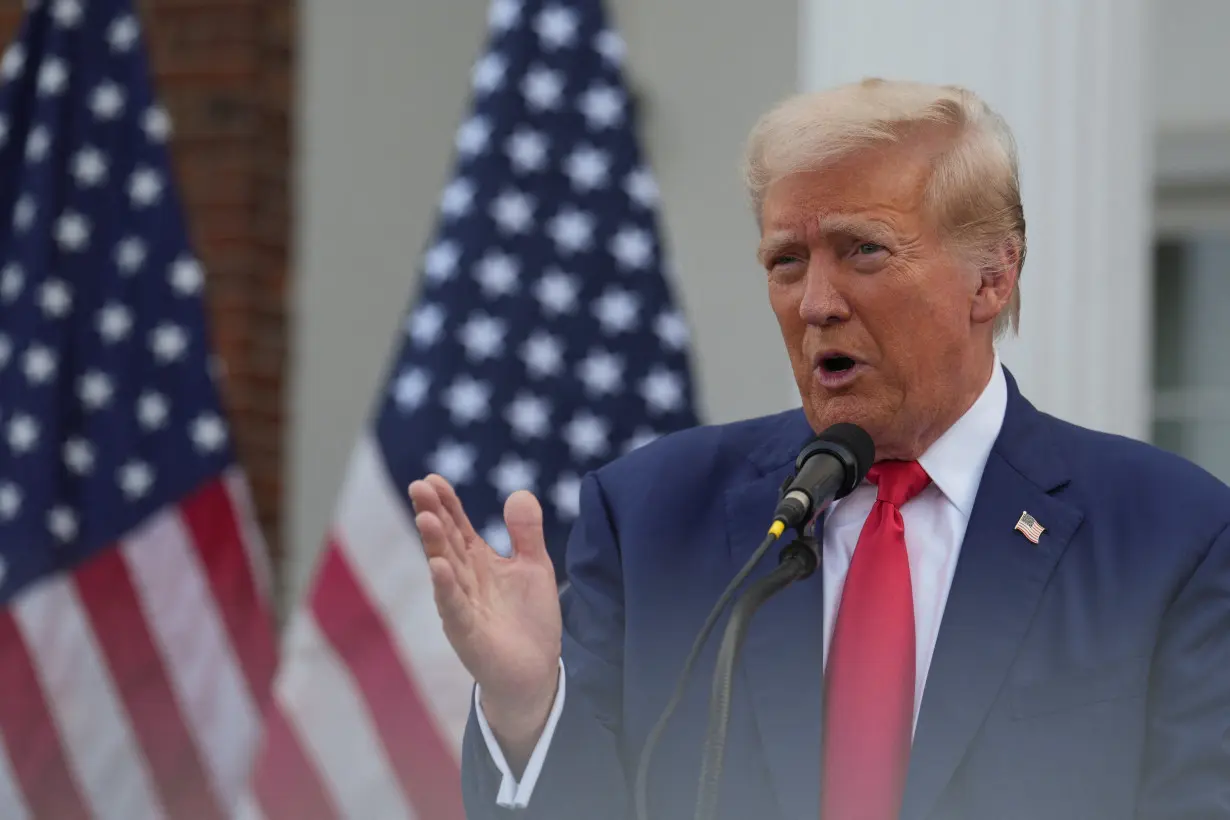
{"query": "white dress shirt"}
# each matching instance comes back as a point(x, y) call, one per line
point(935, 522)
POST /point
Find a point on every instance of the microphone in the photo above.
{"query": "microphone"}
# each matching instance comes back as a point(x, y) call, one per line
point(828, 468)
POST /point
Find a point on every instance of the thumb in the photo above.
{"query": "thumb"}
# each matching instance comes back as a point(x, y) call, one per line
point(523, 518)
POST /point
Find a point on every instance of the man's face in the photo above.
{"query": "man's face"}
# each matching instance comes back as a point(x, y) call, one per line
point(878, 317)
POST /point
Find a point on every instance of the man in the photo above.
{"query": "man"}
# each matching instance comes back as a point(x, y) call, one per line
point(1015, 617)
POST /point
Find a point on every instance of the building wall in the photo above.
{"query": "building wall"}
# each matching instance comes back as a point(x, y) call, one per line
point(380, 87)
point(703, 70)
point(384, 85)
point(1192, 62)
point(223, 69)
point(383, 88)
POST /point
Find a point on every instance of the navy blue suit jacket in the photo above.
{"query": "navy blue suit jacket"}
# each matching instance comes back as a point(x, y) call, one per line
point(1083, 678)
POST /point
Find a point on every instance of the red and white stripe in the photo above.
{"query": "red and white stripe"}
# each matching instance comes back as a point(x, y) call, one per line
point(370, 702)
point(133, 687)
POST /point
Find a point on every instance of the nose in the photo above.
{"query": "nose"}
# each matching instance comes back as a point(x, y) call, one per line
point(823, 303)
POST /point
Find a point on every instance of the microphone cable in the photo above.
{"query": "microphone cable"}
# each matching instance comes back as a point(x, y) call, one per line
point(849, 451)
point(655, 735)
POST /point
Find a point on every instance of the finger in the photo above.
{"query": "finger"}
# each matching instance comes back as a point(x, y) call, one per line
point(448, 497)
point(430, 492)
point(432, 533)
point(424, 497)
point(438, 546)
point(451, 601)
point(523, 517)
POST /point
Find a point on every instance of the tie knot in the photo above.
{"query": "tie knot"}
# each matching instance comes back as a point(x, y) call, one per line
point(898, 481)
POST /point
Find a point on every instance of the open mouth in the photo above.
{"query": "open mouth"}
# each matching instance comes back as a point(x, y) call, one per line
point(837, 364)
point(836, 370)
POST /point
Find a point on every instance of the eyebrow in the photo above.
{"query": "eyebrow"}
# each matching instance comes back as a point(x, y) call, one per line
point(775, 243)
point(872, 229)
point(861, 226)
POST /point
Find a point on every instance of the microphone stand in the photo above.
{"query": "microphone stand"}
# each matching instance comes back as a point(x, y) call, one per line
point(848, 452)
point(797, 560)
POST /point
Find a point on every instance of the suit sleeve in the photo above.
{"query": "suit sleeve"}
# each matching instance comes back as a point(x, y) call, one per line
point(1186, 772)
point(581, 766)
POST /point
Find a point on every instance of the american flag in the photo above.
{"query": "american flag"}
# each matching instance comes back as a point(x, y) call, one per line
point(1028, 526)
point(544, 342)
point(135, 640)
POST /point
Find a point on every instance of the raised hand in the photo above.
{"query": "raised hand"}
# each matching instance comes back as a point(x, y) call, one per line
point(501, 615)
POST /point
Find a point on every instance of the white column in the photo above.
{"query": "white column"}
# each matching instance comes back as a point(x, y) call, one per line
point(1071, 78)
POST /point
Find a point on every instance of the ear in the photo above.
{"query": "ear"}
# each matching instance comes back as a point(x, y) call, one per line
point(998, 278)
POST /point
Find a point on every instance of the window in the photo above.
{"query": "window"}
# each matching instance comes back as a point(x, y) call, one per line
point(1191, 362)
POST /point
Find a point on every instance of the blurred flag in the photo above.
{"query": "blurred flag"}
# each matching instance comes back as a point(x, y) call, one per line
point(135, 644)
point(544, 342)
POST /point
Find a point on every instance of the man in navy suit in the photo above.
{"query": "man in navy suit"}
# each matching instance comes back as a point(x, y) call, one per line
point(1014, 618)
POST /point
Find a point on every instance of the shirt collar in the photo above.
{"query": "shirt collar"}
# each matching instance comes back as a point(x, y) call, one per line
point(956, 459)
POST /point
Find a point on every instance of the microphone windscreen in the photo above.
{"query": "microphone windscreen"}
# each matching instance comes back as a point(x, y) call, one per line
point(857, 441)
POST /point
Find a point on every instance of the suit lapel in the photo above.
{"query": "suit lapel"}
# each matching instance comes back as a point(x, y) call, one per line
point(782, 658)
point(999, 580)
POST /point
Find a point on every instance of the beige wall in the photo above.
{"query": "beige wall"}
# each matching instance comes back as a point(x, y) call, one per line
point(1193, 62)
point(706, 70)
point(1193, 113)
point(384, 84)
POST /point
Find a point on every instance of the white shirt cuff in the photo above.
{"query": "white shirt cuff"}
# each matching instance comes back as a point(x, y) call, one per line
point(514, 794)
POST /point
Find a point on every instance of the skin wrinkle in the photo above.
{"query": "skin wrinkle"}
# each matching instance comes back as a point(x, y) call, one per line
point(917, 317)
point(852, 225)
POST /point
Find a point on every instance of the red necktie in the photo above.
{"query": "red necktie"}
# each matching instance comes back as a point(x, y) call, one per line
point(869, 683)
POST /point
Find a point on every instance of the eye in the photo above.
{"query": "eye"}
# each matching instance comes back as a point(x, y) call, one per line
point(868, 248)
point(783, 259)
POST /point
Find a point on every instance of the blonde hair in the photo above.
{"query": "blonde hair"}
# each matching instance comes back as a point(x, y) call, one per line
point(974, 186)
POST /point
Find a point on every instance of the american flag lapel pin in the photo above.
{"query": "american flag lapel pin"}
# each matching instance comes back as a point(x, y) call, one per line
point(1028, 526)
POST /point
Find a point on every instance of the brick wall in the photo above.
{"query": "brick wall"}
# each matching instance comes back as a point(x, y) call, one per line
point(223, 69)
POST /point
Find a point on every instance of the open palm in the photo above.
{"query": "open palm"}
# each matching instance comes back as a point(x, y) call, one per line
point(501, 615)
